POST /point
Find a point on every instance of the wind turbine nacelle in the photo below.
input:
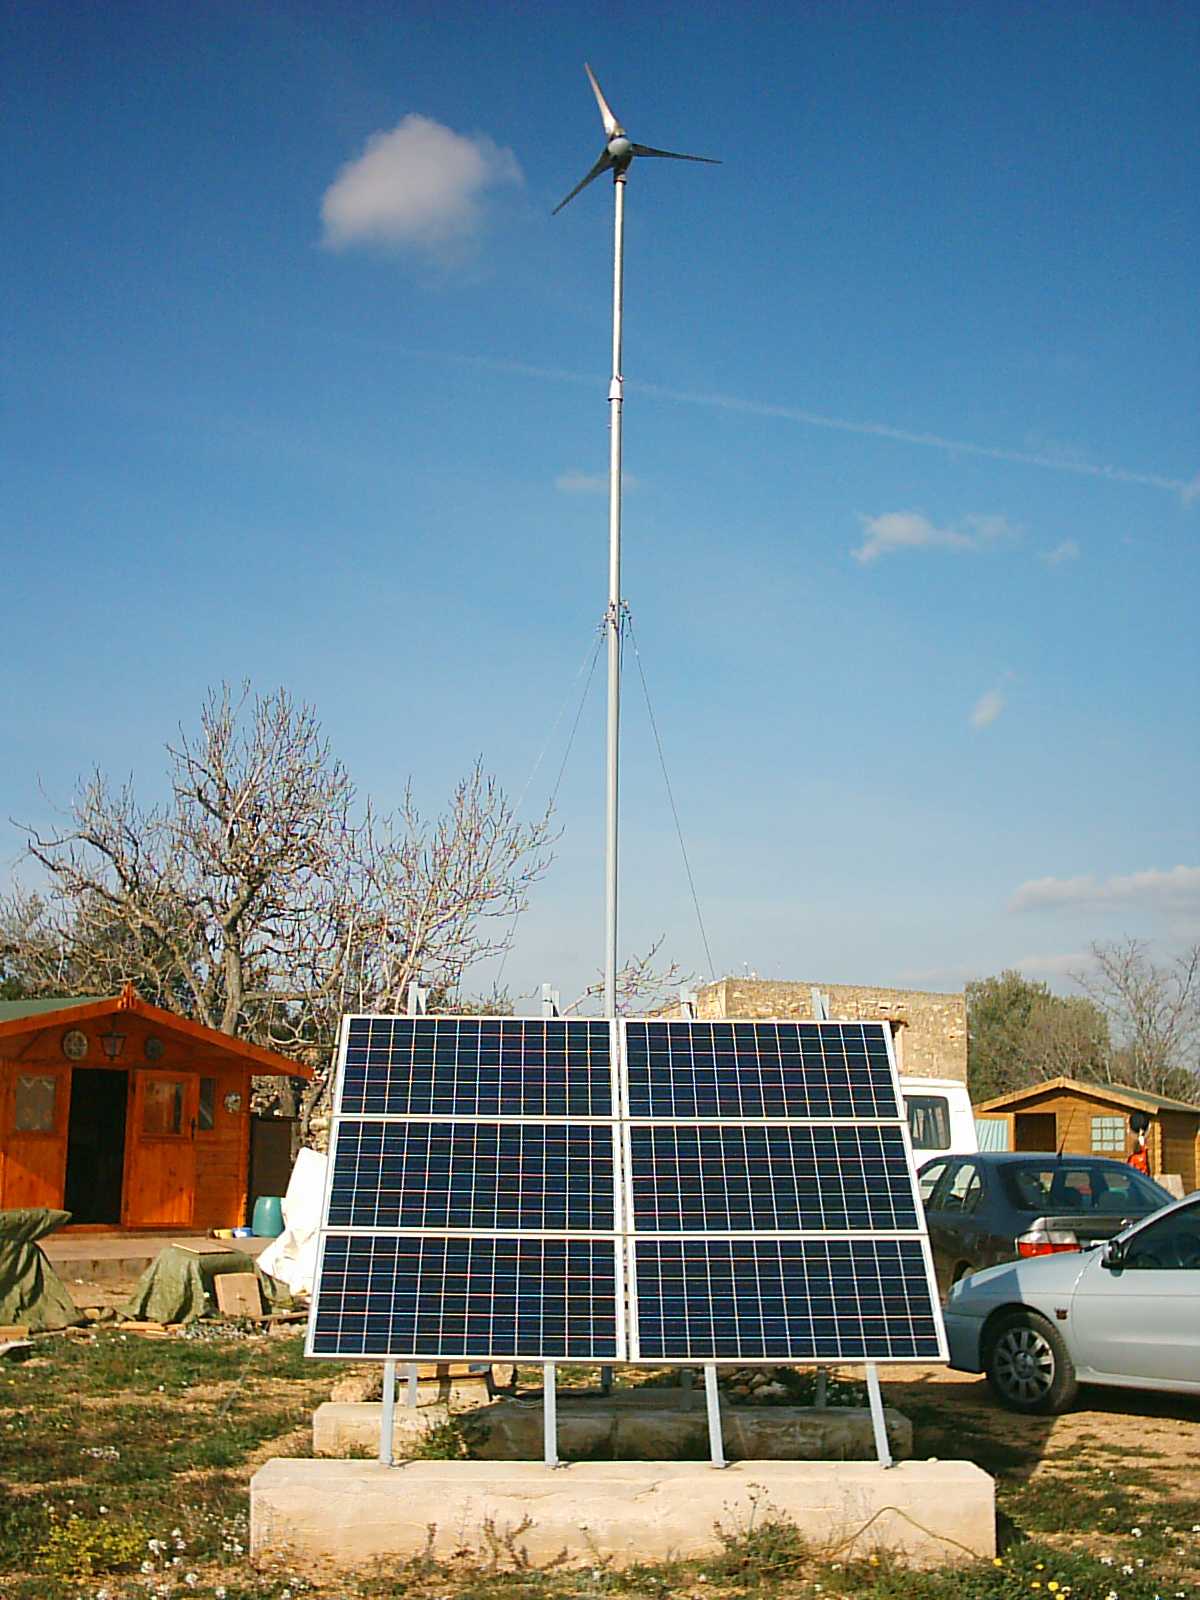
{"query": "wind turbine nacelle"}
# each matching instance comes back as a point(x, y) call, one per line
point(620, 149)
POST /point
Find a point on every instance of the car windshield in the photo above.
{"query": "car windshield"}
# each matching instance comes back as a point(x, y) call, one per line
point(1060, 1185)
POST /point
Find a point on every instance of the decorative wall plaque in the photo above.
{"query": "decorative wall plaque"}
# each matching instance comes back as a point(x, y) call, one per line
point(75, 1044)
point(153, 1049)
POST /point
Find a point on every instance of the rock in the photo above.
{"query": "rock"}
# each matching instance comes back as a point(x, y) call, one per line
point(511, 1430)
point(364, 1384)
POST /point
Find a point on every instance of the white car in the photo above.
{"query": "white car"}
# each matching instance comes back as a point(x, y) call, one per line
point(1125, 1313)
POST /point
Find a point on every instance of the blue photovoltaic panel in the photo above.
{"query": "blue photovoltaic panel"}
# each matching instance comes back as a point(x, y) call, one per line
point(477, 1208)
point(479, 1175)
point(769, 1179)
point(428, 1298)
point(477, 1067)
point(496, 1138)
point(784, 1300)
point(834, 1071)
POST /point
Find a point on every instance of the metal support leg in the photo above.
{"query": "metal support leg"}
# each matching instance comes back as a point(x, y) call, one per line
point(822, 1391)
point(387, 1417)
point(411, 1397)
point(550, 1415)
point(882, 1449)
point(715, 1442)
point(606, 1380)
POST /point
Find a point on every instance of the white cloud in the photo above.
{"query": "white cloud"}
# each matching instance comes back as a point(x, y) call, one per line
point(1176, 889)
point(416, 186)
point(1068, 550)
point(986, 709)
point(574, 482)
point(1190, 491)
point(910, 530)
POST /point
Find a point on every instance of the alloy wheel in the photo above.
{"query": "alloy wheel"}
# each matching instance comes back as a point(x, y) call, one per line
point(1023, 1365)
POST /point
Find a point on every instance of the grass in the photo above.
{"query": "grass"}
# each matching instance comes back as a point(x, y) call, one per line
point(124, 1466)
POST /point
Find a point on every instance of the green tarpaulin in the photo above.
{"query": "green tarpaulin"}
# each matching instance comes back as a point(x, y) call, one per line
point(178, 1286)
point(31, 1292)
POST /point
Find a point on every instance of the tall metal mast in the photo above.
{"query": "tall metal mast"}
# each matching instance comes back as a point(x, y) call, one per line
point(618, 153)
point(612, 620)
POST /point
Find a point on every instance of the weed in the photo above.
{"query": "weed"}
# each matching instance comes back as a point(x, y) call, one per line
point(445, 1441)
point(79, 1548)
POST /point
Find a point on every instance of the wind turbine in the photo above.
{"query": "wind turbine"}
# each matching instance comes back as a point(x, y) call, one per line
point(617, 155)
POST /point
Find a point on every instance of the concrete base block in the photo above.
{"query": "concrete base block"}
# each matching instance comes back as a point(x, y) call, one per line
point(634, 1425)
point(350, 1513)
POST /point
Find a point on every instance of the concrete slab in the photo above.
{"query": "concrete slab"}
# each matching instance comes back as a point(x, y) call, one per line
point(350, 1513)
point(98, 1257)
point(634, 1425)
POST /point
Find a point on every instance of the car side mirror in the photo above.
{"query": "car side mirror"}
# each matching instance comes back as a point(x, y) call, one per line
point(1113, 1257)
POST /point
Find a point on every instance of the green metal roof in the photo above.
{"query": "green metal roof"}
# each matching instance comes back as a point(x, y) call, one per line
point(10, 1010)
point(1155, 1102)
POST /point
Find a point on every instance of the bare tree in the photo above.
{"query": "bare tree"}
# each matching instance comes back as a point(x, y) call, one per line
point(208, 902)
point(254, 900)
point(641, 983)
point(1155, 1015)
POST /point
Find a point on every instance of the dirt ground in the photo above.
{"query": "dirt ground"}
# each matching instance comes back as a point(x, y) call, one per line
point(1168, 1425)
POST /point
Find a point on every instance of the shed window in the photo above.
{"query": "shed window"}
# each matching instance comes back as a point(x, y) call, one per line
point(34, 1109)
point(162, 1110)
point(206, 1115)
point(1108, 1135)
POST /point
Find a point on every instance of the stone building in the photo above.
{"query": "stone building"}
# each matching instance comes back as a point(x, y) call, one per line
point(930, 1030)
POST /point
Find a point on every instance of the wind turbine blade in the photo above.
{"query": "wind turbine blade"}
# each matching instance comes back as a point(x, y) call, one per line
point(602, 165)
point(673, 155)
point(611, 125)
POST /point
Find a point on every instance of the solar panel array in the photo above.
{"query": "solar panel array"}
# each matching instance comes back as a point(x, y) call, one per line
point(651, 1190)
point(473, 1203)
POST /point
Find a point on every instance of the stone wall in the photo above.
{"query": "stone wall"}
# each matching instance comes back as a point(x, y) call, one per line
point(931, 1029)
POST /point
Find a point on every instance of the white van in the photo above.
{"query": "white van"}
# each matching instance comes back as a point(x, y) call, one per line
point(940, 1119)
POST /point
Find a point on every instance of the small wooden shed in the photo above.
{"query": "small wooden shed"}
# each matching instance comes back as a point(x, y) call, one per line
point(126, 1115)
point(1093, 1119)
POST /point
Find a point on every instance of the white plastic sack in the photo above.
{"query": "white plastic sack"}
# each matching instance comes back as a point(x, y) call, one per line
point(292, 1258)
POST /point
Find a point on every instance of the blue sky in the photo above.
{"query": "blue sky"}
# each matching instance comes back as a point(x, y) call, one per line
point(306, 386)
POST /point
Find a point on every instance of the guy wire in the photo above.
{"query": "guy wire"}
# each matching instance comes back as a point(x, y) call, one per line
point(687, 866)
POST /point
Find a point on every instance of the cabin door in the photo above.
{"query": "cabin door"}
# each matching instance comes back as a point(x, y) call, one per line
point(160, 1171)
point(34, 1107)
point(96, 1145)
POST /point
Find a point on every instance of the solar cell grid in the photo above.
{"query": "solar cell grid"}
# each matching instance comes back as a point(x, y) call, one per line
point(783, 1300)
point(482, 1132)
point(426, 1297)
point(498, 1176)
point(759, 1069)
point(770, 1179)
point(503, 1066)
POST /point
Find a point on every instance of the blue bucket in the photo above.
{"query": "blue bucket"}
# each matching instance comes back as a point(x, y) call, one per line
point(267, 1222)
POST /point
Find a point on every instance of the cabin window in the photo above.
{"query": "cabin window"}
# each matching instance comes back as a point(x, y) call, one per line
point(1108, 1135)
point(206, 1115)
point(162, 1108)
point(34, 1110)
point(928, 1121)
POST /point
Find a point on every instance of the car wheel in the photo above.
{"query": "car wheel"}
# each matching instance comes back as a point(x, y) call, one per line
point(1029, 1366)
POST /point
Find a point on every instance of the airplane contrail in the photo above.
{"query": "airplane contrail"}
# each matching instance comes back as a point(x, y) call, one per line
point(1188, 491)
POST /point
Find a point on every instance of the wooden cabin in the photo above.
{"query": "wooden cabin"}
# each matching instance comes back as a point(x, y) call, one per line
point(125, 1115)
point(1093, 1119)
